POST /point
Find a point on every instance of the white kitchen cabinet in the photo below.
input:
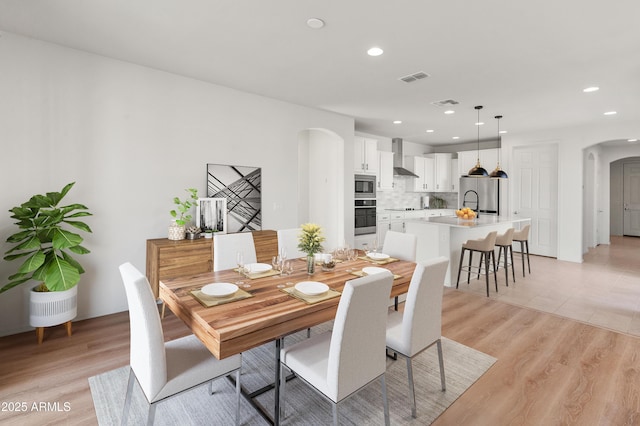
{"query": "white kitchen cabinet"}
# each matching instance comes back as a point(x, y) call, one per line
point(455, 175)
point(424, 168)
point(368, 239)
point(396, 222)
point(385, 170)
point(383, 224)
point(365, 155)
point(442, 172)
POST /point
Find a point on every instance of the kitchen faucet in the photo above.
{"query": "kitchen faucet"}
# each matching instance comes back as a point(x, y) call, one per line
point(464, 201)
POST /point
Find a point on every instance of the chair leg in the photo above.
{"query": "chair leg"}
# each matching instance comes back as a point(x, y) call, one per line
point(528, 262)
point(127, 398)
point(395, 303)
point(495, 269)
point(152, 414)
point(238, 397)
point(486, 270)
point(513, 269)
point(412, 392)
point(480, 264)
point(385, 401)
point(335, 414)
point(441, 360)
point(469, 269)
point(460, 267)
point(506, 263)
point(283, 381)
point(522, 255)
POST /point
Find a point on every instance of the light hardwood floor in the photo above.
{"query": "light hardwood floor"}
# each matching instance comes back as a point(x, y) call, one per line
point(550, 369)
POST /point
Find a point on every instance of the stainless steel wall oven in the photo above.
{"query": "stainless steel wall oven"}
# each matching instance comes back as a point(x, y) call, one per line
point(365, 186)
point(365, 215)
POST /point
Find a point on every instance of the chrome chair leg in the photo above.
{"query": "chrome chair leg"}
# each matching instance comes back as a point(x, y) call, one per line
point(412, 392)
point(385, 401)
point(441, 360)
point(238, 397)
point(127, 398)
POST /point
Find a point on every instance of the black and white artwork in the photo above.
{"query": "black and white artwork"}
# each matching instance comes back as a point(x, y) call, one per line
point(241, 186)
point(211, 215)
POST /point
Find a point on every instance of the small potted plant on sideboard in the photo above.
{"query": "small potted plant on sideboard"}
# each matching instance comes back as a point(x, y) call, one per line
point(45, 244)
point(181, 215)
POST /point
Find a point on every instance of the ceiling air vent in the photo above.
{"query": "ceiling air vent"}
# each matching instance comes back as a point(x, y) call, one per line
point(414, 77)
point(445, 102)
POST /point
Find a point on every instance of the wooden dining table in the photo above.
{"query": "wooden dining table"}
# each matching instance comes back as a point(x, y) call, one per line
point(270, 314)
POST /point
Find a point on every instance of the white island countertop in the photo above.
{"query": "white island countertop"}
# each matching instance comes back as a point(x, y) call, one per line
point(482, 220)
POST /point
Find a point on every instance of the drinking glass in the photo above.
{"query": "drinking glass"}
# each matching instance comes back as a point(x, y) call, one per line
point(240, 263)
point(365, 248)
point(246, 269)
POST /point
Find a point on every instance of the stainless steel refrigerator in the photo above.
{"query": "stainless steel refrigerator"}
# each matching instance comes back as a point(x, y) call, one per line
point(480, 194)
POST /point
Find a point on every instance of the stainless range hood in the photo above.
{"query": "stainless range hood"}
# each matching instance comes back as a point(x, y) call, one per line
point(398, 159)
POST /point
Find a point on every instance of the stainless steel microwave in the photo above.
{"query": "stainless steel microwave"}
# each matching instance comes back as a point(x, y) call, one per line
point(365, 186)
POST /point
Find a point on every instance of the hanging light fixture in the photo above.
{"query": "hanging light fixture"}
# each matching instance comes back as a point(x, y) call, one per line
point(498, 173)
point(478, 171)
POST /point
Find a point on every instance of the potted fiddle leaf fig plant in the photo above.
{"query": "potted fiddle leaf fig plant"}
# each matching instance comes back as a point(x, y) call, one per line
point(182, 214)
point(45, 244)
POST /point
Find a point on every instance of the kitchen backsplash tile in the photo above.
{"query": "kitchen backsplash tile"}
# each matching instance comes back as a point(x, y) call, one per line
point(399, 198)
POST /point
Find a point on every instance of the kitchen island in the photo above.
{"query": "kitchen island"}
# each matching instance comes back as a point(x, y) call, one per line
point(444, 236)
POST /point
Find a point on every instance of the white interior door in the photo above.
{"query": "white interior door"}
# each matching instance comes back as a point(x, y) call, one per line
point(631, 199)
point(534, 185)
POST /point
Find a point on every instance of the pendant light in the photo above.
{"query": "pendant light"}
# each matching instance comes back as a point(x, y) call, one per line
point(478, 171)
point(498, 173)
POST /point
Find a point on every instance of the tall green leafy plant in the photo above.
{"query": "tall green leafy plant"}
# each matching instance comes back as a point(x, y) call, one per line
point(181, 213)
point(45, 243)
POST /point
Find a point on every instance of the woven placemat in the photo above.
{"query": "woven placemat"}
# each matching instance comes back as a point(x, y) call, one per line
point(362, 274)
point(310, 300)
point(269, 273)
point(209, 301)
point(379, 262)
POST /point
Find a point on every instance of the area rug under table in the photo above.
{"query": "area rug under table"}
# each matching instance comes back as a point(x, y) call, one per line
point(463, 366)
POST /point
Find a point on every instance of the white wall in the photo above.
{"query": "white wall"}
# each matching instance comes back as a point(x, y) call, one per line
point(133, 138)
point(571, 143)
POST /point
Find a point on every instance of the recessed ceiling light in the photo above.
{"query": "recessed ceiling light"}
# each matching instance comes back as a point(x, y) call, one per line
point(479, 123)
point(456, 137)
point(430, 131)
point(397, 122)
point(449, 111)
point(632, 140)
point(610, 113)
point(590, 89)
point(315, 23)
point(502, 131)
point(375, 51)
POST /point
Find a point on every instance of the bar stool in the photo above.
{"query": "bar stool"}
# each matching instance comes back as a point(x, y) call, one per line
point(522, 237)
point(503, 242)
point(485, 247)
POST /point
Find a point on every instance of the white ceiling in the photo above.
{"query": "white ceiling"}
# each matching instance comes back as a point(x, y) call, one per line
point(527, 61)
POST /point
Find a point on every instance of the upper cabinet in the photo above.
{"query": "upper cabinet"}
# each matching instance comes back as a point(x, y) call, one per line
point(424, 168)
point(385, 170)
point(467, 160)
point(455, 176)
point(365, 155)
point(442, 172)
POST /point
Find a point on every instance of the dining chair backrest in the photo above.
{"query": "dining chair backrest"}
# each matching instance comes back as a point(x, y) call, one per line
point(147, 353)
point(522, 234)
point(422, 318)
point(400, 245)
point(288, 240)
point(505, 239)
point(357, 349)
point(226, 246)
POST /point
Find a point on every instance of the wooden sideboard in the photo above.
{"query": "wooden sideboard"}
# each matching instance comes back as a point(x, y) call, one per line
point(170, 259)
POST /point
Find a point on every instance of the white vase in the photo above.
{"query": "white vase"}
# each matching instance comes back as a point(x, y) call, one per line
point(176, 232)
point(48, 308)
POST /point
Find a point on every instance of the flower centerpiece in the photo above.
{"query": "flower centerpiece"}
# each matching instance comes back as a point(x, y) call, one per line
point(310, 242)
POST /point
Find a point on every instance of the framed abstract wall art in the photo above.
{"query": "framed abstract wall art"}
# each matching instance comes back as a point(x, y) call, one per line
point(241, 186)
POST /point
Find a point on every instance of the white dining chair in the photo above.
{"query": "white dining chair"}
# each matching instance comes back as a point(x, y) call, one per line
point(288, 240)
point(420, 325)
point(339, 363)
point(401, 246)
point(163, 370)
point(226, 247)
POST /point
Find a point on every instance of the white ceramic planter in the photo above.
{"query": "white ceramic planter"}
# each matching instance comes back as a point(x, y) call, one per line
point(52, 307)
point(176, 232)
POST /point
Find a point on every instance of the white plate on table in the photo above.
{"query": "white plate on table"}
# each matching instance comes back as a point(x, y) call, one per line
point(311, 288)
point(219, 289)
point(378, 256)
point(372, 270)
point(257, 268)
